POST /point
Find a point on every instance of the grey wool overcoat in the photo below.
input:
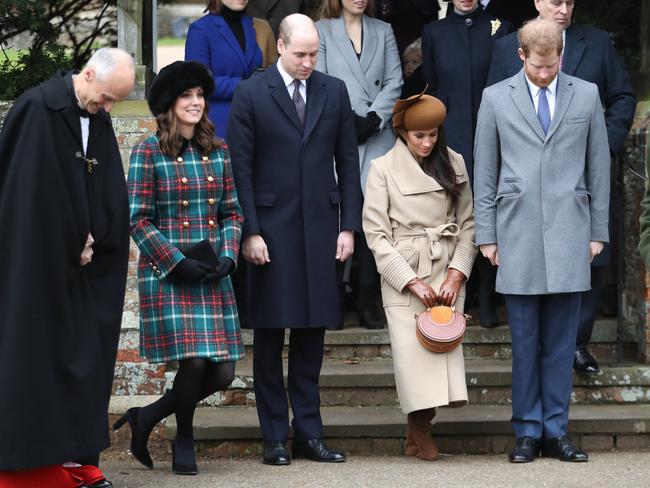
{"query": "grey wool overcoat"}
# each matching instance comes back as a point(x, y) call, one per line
point(374, 81)
point(541, 198)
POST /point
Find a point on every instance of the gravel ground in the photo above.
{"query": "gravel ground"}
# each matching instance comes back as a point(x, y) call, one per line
point(615, 469)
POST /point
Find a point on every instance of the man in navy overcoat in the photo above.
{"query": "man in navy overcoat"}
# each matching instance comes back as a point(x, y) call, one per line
point(294, 152)
point(589, 55)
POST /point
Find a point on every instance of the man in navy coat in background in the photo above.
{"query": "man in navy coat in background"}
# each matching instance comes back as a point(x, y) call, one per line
point(456, 53)
point(287, 126)
point(589, 55)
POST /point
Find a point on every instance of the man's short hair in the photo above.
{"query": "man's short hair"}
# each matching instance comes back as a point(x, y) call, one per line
point(106, 59)
point(541, 36)
point(290, 23)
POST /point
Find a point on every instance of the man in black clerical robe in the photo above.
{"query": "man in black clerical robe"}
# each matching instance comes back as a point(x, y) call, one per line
point(64, 249)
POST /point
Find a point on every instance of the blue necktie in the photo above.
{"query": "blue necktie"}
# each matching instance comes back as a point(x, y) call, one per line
point(543, 112)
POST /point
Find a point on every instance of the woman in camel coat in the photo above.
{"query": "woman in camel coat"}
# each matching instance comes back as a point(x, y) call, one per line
point(418, 221)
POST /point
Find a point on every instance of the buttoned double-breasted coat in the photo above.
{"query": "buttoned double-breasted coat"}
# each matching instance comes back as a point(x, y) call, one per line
point(541, 198)
point(293, 196)
point(456, 53)
point(374, 81)
point(175, 203)
point(415, 229)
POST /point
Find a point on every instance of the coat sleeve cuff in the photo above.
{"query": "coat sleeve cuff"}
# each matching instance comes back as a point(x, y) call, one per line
point(398, 273)
point(464, 257)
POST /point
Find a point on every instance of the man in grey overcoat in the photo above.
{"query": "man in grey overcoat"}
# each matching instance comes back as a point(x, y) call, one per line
point(541, 204)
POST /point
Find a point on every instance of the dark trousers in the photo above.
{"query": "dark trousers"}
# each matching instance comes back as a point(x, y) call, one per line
point(367, 275)
point(589, 303)
point(543, 329)
point(305, 361)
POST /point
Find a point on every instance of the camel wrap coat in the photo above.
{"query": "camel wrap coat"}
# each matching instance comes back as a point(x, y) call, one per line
point(415, 229)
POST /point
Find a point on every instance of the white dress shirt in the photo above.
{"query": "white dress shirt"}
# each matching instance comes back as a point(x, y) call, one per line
point(288, 82)
point(551, 94)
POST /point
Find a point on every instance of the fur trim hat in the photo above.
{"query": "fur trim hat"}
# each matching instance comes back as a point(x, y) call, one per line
point(174, 79)
point(419, 112)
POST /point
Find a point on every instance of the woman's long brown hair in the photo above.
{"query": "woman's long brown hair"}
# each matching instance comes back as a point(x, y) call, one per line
point(438, 165)
point(171, 140)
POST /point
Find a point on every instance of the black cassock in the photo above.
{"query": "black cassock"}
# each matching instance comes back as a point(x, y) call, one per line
point(59, 321)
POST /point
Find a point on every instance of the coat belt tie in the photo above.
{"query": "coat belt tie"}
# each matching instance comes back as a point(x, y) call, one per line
point(431, 247)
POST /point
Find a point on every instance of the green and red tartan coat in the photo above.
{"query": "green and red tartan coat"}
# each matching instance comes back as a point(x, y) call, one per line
point(174, 204)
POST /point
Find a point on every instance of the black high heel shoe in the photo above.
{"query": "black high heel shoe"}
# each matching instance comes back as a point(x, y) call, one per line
point(138, 446)
point(184, 460)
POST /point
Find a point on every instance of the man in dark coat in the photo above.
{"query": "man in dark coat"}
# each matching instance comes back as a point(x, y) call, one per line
point(456, 54)
point(300, 212)
point(63, 255)
point(589, 55)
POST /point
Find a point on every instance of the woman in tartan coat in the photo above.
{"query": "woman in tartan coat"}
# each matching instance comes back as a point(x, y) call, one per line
point(181, 192)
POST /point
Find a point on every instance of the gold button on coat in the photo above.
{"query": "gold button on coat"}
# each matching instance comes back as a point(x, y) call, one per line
point(179, 159)
point(211, 201)
point(186, 224)
point(184, 180)
point(185, 203)
point(210, 179)
point(205, 158)
point(211, 223)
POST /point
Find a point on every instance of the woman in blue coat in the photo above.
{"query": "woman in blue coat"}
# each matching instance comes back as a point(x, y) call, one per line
point(225, 41)
point(186, 221)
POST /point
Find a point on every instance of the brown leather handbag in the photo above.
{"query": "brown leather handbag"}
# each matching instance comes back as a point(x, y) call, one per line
point(440, 328)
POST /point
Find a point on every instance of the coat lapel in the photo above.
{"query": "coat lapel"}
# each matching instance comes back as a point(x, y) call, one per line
point(575, 49)
point(316, 96)
point(251, 41)
point(280, 94)
point(369, 46)
point(229, 38)
point(562, 100)
point(406, 172)
point(524, 103)
point(344, 45)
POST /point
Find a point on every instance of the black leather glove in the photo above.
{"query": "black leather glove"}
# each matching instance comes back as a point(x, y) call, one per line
point(223, 269)
point(366, 126)
point(189, 271)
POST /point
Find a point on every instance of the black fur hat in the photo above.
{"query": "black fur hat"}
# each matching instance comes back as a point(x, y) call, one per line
point(174, 79)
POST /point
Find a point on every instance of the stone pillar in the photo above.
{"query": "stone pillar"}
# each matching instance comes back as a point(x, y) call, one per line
point(135, 31)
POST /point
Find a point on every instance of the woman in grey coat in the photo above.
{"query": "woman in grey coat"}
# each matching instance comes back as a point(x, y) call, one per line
point(361, 51)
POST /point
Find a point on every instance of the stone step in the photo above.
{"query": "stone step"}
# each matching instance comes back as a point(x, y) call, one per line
point(133, 376)
point(381, 430)
point(362, 383)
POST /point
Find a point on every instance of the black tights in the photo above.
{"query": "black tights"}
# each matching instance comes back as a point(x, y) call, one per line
point(196, 379)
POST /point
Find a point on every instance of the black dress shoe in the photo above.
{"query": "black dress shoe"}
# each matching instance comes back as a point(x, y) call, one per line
point(525, 451)
point(276, 454)
point(138, 439)
point(335, 327)
point(584, 362)
point(102, 484)
point(316, 450)
point(562, 448)
point(184, 460)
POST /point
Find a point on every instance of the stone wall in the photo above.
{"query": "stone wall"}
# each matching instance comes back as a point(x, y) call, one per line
point(635, 299)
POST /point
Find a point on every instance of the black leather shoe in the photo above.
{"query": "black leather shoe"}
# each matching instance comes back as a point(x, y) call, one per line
point(335, 327)
point(562, 448)
point(276, 454)
point(525, 451)
point(584, 362)
point(184, 460)
point(102, 484)
point(316, 450)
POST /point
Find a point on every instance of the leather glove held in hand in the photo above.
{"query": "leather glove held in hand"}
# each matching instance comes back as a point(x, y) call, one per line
point(450, 288)
point(366, 126)
point(223, 269)
point(189, 271)
point(423, 291)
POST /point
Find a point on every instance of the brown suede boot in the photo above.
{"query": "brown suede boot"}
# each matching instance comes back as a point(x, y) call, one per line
point(420, 432)
point(410, 448)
